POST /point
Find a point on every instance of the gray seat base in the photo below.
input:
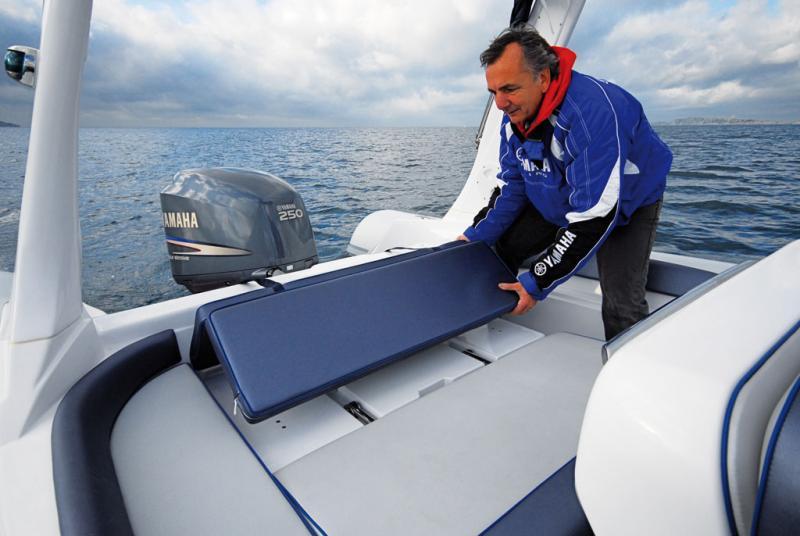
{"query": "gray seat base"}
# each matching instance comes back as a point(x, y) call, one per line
point(183, 469)
point(456, 460)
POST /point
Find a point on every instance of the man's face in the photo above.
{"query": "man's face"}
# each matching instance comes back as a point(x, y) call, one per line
point(517, 92)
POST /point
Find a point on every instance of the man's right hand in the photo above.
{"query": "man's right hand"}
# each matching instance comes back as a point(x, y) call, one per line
point(462, 238)
point(525, 302)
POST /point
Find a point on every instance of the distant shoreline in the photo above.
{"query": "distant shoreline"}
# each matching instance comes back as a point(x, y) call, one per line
point(676, 122)
point(706, 121)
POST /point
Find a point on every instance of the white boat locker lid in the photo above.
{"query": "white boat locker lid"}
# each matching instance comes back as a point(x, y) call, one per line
point(399, 384)
point(496, 339)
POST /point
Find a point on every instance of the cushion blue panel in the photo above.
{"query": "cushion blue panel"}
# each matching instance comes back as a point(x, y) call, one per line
point(663, 277)
point(285, 348)
point(674, 279)
point(552, 508)
point(202, 354)
point(777, 508)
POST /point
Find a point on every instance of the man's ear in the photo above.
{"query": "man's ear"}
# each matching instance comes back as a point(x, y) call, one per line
point(544, 79)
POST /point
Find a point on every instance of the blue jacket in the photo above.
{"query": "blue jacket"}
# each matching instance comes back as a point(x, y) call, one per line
point(587, 169)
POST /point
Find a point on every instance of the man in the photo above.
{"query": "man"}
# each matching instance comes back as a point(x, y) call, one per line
point(583, 174)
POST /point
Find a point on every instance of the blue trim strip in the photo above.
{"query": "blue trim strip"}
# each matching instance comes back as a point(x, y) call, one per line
point(773, 440)
point(312, 526)
point(726, 492)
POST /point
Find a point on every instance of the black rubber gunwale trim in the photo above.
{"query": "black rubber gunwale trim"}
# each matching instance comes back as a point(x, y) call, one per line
point(88, 496)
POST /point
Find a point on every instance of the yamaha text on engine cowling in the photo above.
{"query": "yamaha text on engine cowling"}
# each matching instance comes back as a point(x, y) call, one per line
point(226, 225)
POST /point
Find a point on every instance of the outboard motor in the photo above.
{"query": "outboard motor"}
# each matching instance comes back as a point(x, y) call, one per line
point(226, 226)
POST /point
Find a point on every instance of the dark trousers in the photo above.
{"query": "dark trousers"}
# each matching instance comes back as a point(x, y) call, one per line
point(622, 260)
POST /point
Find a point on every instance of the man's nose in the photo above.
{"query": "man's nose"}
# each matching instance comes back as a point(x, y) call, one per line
point(501, 102)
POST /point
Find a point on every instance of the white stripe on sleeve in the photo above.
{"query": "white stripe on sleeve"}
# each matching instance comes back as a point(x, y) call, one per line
point(610, 195)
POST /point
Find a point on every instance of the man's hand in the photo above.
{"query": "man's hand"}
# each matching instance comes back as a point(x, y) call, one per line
point(462, 238)
point(526, 301)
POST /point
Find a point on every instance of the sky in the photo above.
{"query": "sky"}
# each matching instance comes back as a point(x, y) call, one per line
point(273, 63)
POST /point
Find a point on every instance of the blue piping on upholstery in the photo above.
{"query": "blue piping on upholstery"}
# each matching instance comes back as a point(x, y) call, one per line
point(773, 440)
point(726, 492)
point(311, 525)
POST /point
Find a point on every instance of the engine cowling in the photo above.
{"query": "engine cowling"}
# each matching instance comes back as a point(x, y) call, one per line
point(225, 226)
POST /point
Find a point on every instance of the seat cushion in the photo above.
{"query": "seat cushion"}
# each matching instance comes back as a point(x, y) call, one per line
point(282, 349)
point(456, 460)
point(201, 352)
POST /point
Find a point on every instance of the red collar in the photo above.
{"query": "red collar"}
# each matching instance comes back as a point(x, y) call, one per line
point(555, 93)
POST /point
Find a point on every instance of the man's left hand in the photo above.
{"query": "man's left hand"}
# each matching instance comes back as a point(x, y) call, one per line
point(526, 301)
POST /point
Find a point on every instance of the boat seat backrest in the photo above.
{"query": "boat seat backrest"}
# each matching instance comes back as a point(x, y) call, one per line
point(201, 353)
point(747, 421)
point(286, 347)
point(664, 277)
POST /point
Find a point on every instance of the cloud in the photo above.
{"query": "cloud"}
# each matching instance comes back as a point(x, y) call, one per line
point(411, 62)
point(739, 61)
point(429, 99)
point(348, 61)
point(21, 11)
point(724, 92)
point(217, 62)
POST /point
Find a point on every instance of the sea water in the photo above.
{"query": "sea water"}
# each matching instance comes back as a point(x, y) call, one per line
point(733, 192)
